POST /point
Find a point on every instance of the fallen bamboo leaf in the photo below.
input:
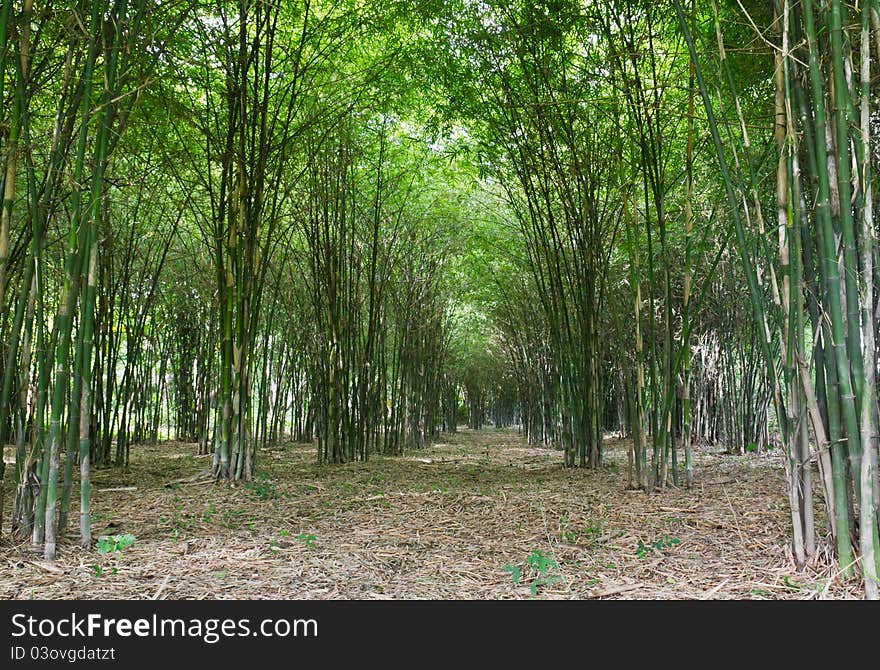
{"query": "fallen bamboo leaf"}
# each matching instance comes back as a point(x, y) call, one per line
point(48, 567)
point(715, 589)
point(623, 588)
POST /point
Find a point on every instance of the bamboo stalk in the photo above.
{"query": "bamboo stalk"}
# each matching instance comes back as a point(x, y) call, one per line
point(870, 496)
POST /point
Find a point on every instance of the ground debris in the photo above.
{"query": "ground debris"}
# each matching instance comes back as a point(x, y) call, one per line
point(392, 528)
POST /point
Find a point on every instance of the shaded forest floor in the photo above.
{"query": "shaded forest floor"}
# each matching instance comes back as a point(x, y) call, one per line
point(461, 519)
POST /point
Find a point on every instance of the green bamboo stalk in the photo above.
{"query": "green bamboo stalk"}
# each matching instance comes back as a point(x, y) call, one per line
point(639, 436)
point(688, 260)
point(796, 220)
point(85, 385)
point(40, 206)
point(33, 276)
point(87, 314)
point(838, 492)
point(73, 415)
point(21, 512)
point(4, 42)
point(843, 122)
point(756, 298)
point(840, 345)
point(9, 368)
point(800, 488)
point(73, 263)
point(22, 54)
point(868, 533)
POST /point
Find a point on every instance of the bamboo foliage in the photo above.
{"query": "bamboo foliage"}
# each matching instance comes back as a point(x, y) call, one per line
point(826, 251)
point(91, 86)
point(561, 195)
point(242, 222)
point(376, 301)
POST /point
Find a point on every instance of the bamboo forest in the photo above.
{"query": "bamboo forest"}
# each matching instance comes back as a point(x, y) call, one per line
point(439, 299)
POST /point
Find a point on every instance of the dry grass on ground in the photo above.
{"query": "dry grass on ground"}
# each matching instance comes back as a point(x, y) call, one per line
point(454, 521)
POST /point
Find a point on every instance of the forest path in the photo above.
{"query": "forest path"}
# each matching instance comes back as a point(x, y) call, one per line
point(461, 519)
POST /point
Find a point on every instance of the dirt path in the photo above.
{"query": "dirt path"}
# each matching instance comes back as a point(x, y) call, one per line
point(478, 516)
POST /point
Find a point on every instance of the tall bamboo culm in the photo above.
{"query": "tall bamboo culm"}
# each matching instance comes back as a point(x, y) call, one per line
point(827, 243)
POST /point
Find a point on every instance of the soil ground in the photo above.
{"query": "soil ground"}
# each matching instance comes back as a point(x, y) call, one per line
point(479, 515)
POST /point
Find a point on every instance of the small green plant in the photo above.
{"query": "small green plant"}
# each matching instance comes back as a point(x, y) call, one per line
point(515, 572)
point(790, 583)
point(278, 543)
point(564, 533)
point(233, 517)
point(802, 586)
point(664, 542)
point(114, 543)
point(541, 563)
point(181, 519)
point(99, 570)
point(308, 538)
point(262, 487)
point(209, 513)
point(375, 478)
point(586, 534)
